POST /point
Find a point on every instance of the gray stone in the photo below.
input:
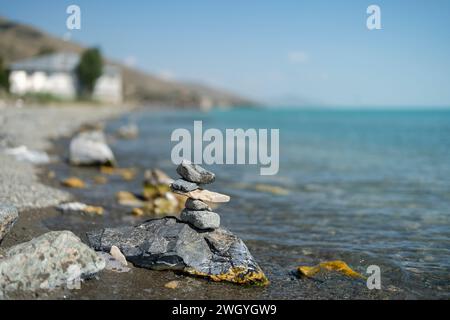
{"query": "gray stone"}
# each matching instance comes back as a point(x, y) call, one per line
point(195, 173)
point(194, 204)
point(53, 259)
point(201, 219)
point(170, 244)
point(90, 148)
point(183, 185)
point(8, 216)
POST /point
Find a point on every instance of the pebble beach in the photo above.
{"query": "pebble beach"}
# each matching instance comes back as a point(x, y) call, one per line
point(36, 128)
point(62, 205)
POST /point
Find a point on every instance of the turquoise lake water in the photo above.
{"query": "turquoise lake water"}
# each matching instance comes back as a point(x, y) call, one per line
point(367, 187)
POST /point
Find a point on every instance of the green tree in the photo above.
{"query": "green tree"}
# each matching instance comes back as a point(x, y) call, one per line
point(89, 70)
point(4, 76)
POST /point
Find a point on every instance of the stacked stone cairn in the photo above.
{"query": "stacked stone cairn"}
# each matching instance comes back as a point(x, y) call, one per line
point(197, 211)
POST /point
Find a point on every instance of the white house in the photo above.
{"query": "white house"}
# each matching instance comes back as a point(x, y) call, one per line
point(55, 74)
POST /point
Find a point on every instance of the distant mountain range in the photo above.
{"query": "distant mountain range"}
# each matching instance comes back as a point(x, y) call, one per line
point(19, 41)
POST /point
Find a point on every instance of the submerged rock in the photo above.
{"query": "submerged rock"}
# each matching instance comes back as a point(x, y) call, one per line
point(128, 131)
point(137, 212)
point(100, 180)
point(201, 219)
point(80, 207)
point(276, 190)
point(194, 173)
point(183, 185)
point(170, 244)
point(90, 148)
point(54, 259)
point(73, 182)
point(155, 177)
point(8, 216)
point(193, 204)
point(127, 174)
point(128, 199)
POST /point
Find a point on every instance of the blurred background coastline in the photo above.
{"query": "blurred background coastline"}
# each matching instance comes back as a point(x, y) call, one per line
point(25, 49)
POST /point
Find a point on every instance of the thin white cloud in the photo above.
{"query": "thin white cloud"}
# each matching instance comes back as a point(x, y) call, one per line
point(130, 61)
point(298, 57)
point(166, 75)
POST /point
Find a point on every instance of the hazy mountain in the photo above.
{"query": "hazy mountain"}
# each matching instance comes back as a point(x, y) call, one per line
point(19, 41)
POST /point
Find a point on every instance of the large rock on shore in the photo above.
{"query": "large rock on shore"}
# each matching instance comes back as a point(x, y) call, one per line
point(170, 244)
point(90, 148)
point(54, 259)
point(8, 216)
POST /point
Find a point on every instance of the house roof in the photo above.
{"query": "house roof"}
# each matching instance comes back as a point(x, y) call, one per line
point(55, 62)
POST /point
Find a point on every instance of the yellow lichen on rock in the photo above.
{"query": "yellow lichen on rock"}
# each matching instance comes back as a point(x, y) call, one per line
point(337, 265)
point(73, 182)
point(238, 275)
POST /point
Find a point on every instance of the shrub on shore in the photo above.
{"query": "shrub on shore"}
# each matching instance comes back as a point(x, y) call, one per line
point(4, 77)
point(89, 70)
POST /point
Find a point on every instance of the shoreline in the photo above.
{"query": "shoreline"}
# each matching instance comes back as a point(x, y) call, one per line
point(24, 184)
point(36, 215)
point(37, 128)
point(278, 261)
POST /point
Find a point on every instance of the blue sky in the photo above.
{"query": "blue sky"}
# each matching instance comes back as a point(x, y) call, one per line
point(284, 52)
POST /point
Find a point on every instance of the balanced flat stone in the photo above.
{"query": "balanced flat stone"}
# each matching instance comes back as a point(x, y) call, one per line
point(8, 216)
point(193, 204)
point(194, 173)
point(170, 244)
point(205, 195)
point(201, 219)
point(183, 185)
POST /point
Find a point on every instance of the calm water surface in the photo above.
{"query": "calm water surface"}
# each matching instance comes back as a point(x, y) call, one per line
point(368, 187)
